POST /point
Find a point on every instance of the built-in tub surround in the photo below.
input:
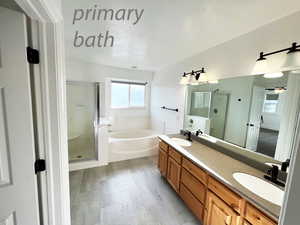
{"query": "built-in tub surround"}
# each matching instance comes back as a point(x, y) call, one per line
point(129, 144)
point(222, 167)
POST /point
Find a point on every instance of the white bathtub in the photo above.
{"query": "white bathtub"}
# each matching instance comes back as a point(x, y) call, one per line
point(131, 144)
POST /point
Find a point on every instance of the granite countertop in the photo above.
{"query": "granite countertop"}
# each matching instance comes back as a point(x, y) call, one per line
point(221, 167)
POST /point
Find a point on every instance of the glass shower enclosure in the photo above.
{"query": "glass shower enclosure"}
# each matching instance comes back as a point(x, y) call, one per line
point(83, 119)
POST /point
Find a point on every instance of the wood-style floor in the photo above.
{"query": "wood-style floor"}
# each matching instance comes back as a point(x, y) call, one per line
point(130, 192)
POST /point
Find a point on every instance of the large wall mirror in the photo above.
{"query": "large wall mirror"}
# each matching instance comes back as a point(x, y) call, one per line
point(251, 112)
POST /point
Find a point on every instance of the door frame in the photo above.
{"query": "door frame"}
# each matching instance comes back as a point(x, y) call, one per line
point(54, 120)
point(50, 89)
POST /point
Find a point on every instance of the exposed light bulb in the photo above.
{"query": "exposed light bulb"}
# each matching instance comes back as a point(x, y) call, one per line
point(292, 61)
point(213, 81)
point(279, 90)
point(273, 75)
point(184, 80)
point(193, 80)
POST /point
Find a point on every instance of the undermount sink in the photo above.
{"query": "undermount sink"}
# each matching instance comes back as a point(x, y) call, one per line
point(260, 187)
point(182, 142)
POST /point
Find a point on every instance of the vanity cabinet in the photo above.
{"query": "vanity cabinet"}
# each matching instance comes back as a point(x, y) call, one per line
point(256, 217)
point(219, 213)
point(163, 158)
point(192, 202)
point(173, 173)
point(210, 200)
point(163, 162)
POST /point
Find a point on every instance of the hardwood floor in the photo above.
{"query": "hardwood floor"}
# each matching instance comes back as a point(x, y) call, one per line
point(129, 192)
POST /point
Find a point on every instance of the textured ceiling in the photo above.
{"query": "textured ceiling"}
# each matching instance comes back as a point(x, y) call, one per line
point(170, 30)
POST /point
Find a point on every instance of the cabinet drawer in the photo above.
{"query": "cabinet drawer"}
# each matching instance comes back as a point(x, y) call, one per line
point(225, 194)
point(194, 185)
point(195, 206)
point(175, 155)
point(255, 216)
point(195, 170)
point(164, 146)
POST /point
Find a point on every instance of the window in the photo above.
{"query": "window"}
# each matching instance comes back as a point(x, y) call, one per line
point(127, 94)
point(271, 103)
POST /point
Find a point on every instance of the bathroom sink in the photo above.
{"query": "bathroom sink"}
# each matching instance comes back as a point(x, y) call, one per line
point(260, 187)
point(182, 142)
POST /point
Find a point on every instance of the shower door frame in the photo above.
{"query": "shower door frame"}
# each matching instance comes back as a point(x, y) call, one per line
point(80, 164)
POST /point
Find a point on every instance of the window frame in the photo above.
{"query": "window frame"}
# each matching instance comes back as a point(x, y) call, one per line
point(277, 104)
point(129, 83)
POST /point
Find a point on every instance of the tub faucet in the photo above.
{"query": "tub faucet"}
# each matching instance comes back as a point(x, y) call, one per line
point(188, 135)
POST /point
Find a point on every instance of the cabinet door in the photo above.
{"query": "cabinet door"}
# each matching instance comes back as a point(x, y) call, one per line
point(256, 217)
point(173, 173)
point(219, 213)
point(163, 162)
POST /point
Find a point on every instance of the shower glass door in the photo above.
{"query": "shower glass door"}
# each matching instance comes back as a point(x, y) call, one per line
point(83, 114)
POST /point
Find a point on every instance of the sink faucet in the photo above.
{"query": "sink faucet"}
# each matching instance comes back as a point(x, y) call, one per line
point(199, 132)
point(188, 135)
point(273, 176)
point(285, 165)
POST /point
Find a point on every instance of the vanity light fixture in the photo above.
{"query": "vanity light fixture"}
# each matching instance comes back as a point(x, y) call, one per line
point(292, 61)
point(185, 79)
point(273, 75)
point(213, 81)
point(279, 90)
point(261, 65)
point(192, 77)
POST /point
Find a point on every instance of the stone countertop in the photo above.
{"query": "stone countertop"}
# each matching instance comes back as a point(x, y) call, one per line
point(221, 167)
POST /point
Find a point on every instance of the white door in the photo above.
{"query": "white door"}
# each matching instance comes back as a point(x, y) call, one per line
point(258, 97)
point(18, 186)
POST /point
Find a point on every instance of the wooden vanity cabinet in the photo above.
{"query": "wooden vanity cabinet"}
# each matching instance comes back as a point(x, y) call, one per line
point(163, 158)
point(256, 217)
point(173, 173)
point(210, 200)
point(163, 162)
point(219, 213)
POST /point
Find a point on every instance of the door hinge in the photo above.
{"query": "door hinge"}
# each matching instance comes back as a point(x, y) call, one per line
point(33, 56)
point(39, 165)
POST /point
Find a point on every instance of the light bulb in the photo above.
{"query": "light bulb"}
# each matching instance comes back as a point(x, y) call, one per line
point(292, 61)
point(193, 80)
point(273, 75)
point(261, 67)
point(213, 81)
point(184, 80)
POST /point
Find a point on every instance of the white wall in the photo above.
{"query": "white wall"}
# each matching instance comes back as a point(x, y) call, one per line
point(233, 58)
point(84, 71)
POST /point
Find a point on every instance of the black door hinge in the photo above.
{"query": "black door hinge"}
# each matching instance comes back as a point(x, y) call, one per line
point(39, 165)
point(33, 56)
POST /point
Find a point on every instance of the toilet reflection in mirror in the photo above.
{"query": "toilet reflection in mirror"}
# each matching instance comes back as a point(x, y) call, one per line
point(251, 112)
